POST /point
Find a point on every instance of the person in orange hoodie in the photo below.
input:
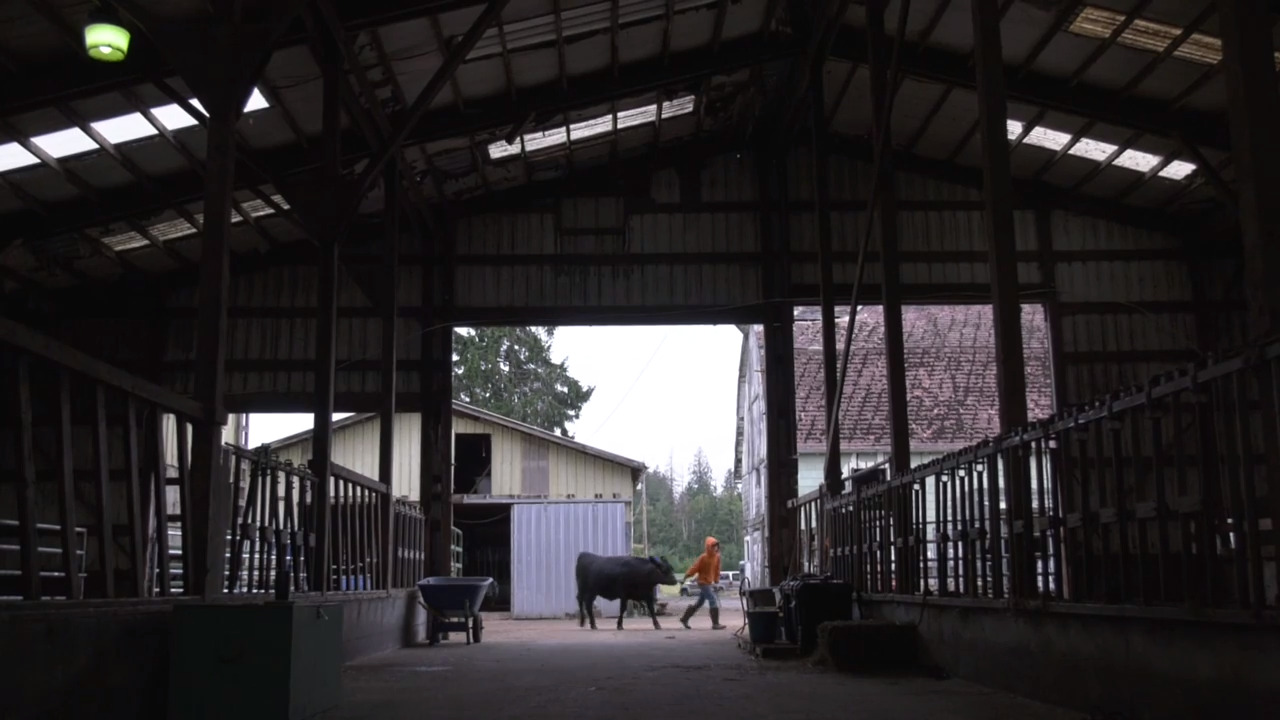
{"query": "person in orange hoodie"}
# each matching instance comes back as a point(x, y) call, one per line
point(707, 570)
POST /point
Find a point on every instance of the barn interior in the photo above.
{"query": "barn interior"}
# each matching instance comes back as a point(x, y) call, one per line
point(246, 206)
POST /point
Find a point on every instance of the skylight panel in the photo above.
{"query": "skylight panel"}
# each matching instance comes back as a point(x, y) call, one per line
point(1092, 149)
point(501, 149)
point(593, 127)
point(1048, 139)
point(590, 128)
point(679, 106)
point(65, 143)
point(1097, 150)
point(1177, 170)
point(638, 116)
point(174, 229)
point(545, 139)
point(123, 129)
point(1149, 35)
point(14, 156)
point(117, 130)
point(1137, 160)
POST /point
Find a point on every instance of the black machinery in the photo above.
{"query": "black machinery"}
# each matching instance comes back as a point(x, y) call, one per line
point(809, 600)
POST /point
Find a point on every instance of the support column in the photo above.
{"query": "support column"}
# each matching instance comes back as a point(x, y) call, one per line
point(326, 323)
point(1253, 116)
point(890, 256)
point(220, 60)
point(998, 220)
point(832, 472)
point(436, 442)
point(886, 212)
point(1248, 53)
point(387, 369)
point(779, 375)
point(208, 558)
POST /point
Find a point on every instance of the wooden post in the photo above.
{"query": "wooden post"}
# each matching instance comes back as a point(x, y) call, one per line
point(887, 223)
point(832, 472)
point(208, 552)
point(1248, 53)
point(326, 327)
point(1253, 116)
point(998, 220)
point(390, 350)
point(779, 374)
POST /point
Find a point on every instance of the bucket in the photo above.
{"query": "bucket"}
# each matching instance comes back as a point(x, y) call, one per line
point(762, 626)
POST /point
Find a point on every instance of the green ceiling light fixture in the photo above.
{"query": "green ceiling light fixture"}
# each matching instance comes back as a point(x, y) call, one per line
point(105, 37)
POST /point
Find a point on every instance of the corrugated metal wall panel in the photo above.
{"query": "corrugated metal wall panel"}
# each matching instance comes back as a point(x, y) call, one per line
point(587, 287)
point(1122, 312)
point(545, 541)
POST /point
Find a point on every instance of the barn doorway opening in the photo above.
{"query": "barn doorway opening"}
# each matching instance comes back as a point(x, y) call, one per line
point(473, 463)
point(486, 548)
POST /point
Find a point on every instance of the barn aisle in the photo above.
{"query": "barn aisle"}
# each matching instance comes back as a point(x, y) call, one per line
point(552, 669)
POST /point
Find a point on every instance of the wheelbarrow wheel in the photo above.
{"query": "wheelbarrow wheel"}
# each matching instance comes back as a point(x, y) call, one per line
point(476, 628)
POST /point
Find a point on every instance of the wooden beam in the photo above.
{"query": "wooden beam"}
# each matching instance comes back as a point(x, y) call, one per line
point(890, 255)
point(998, 222)
point(321, 462)
point(1249, 62)
point(415, 112)
point(387, 366)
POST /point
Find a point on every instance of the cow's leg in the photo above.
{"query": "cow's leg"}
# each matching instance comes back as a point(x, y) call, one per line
point(582, 616)
point(653, 615)
point(590, 601)
point(622, 609)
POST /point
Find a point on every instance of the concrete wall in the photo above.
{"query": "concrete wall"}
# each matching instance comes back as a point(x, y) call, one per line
point(1138, 668)
point(113, 661)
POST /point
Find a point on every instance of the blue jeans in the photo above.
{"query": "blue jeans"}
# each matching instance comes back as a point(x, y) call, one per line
point(706, 594)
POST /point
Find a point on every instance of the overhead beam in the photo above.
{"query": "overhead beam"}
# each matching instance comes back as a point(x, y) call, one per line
point(1148, 116)
point(543, 102)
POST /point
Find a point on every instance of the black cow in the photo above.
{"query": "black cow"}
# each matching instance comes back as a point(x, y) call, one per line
point(620, 578)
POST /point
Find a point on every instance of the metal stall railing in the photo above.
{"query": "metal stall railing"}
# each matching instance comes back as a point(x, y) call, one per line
point(1151, 501)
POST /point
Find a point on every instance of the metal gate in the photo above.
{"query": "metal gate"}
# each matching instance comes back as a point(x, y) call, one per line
point(545, 541)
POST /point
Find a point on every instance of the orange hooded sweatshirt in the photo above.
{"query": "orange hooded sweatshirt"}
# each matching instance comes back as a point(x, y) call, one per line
point(707, 566)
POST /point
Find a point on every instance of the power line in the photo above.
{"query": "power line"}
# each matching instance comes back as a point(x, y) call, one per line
point(634, 382)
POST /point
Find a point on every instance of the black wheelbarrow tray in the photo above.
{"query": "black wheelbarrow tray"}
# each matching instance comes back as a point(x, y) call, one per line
point(454, 605)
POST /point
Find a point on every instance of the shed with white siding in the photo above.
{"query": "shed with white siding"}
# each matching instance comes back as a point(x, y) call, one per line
point(526, 500)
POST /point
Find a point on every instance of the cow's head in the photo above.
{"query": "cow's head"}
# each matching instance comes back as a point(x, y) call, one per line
point(667, 576)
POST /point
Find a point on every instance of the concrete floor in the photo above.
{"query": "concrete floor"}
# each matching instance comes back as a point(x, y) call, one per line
point(552, 669)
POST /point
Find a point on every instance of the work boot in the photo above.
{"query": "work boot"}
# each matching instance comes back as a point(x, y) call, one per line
point(715, 619)
point(688, 613)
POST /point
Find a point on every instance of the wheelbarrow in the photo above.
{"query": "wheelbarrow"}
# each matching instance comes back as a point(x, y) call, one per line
point(454, 605)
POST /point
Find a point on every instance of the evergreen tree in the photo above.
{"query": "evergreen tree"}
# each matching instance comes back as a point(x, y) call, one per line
point(509, 371)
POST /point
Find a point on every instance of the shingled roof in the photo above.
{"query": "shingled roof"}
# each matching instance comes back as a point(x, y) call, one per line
point(951, 377)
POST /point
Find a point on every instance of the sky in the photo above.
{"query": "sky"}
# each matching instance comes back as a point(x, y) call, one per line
point(660, 393)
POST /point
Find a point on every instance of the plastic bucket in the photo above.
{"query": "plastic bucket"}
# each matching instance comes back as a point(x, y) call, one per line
point(762, 626)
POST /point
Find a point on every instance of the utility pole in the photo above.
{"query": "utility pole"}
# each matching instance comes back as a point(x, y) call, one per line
point(644, 510)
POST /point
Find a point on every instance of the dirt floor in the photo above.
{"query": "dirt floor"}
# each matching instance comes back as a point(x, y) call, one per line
point(531, 669)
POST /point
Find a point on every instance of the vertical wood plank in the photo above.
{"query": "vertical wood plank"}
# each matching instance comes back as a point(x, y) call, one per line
point(133, 488)
point(67, 492)
point(28, 536)
point(102, 463)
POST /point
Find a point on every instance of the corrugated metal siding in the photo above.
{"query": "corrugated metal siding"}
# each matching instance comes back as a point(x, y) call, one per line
point(545, 541)
point(1111, 335)
point(573, 474)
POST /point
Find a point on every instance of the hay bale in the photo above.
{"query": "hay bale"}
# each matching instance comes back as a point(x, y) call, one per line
point(867, 647)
